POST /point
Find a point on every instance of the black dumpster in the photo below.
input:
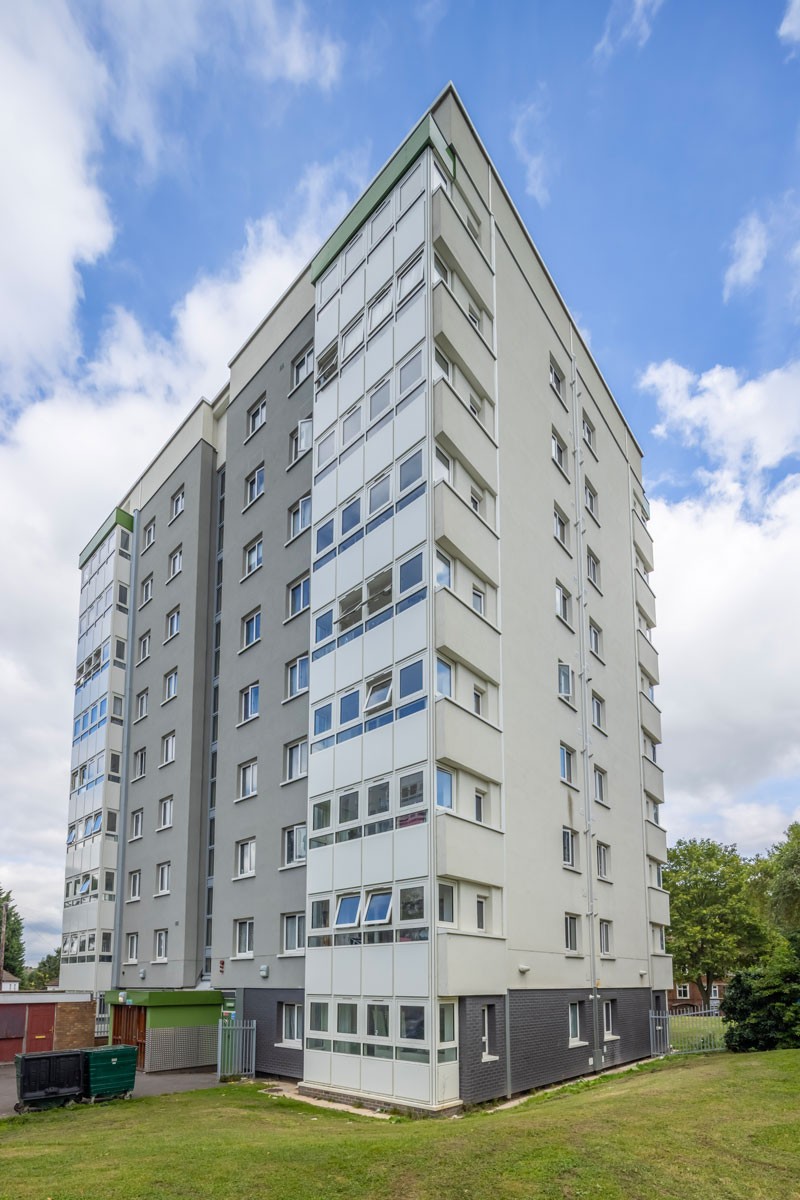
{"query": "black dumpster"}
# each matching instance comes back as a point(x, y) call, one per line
point(48, 1080)
point(108, 1071)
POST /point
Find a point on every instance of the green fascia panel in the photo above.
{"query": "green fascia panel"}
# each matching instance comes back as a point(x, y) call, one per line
point(427, 133)
point(187, 1014)
point(117, 517)
point(165, 999)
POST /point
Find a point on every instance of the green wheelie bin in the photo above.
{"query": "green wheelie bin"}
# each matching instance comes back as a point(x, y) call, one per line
point(108, 1072)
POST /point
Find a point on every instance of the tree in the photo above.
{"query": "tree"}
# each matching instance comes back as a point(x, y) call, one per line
point(716, 927)
point(38, 978)
point(762, 1003)
point(781, 878)
point(14, 958)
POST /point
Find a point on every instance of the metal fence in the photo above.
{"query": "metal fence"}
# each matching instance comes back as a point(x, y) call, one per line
point(101, 1025)
point(690, 1032)
point(236, 1049)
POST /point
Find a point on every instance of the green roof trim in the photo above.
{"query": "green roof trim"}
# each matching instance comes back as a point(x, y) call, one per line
point(117, 517)
point(157, 999)
point(427, 133)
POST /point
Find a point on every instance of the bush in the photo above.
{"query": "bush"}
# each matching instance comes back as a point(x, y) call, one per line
point(762, 1004)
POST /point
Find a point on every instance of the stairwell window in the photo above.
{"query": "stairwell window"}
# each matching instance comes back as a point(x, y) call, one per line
point(605, 937)
point(563, 604)
point(568, 847)
point(603, 858)
point(598, 711)
point(567, 762)
point(566, 677)
point(593, 568)
point(570, 933)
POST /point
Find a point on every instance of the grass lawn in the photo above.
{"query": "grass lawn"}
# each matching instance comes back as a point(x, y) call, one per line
point(721, 1125)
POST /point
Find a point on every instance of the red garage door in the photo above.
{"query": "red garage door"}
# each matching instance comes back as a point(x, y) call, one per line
point(12, 1030)
point(41, 1022)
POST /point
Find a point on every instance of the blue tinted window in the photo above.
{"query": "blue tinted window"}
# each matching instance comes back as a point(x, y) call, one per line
point(348, 708)
point(325, 536)
point(411, 679)
point(411, 470)
point(378, 906)
point(444, 788)
point(323, 718)
point(306, 586)
point(324, 626)
point(411, 573)
point(351, 516)
point(347, 912)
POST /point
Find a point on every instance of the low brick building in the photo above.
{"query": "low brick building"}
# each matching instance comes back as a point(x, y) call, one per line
point(686, 996)
point(31, 1022)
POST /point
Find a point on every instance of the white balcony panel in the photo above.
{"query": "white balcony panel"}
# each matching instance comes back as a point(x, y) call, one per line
point(464, 740)
point(648, 656)
point(658, 906)
point(645, 599)
point(470, 965)
point(650, 717)
point(459, 339)
point(655, 841)
point(661, 972)
point(457, 247)
point(643, 542)
point(458, 529)
point(465, 636)
point(461, 435)
point(653, 779)
point(465, 850)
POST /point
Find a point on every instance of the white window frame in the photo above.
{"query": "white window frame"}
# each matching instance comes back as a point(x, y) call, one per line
point(604, 937)
point(134, 885)
point(568, 846)
point(247, 712)
point(296, 857)
point(248, 779)
point(160, 945)
point(243, 926)
point(303, 366)
point(245, 858)
point(255, 547)
point(132, 947)
point(571, 933)
point(256, 416)
point(165, 806)
point(176, 562)
point(301, 746)
point(163, 870)
point(178, 503)
point(168, 749)
point(171, 685)
point(296, 922)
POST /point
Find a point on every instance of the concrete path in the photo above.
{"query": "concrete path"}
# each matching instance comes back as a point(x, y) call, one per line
point(146, 1085)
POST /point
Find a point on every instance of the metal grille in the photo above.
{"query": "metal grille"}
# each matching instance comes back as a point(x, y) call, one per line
point(236, 1049)
point(691, 1032)
point(180, 1048)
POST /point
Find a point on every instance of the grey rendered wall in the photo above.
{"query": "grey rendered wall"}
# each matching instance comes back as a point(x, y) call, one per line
point(261, 1006)
point(184, 779)
point(273, 890)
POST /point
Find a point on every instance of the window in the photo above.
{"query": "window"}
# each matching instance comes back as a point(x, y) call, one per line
point(135, 885)
point(173, 623)
point(658, 874)
point(327, 365)
point(600, 790)
point(171, 684)
point(487, 1022)
point(480, 912)
point(248, 779)
point(478, 600)
point(563, 604)
point(377, 798)
point(598, 711)
point(165, 812)
point(139, 763)
point(444, 678)
point(244, 938)
point(300, 440)
point(300, 516)
point(560, 526)
point(175, 562)
point(253, 556)
point(297, 759)
point(349, 708)
point(294, 932)
point(297, 676)
point(605, 937)
point(480, 806)
point(299, 596)
point(254, 486)
point(352, 338)
point(409, 280)
point(136, 824)
point(379, 309)
point(591, 498)
point(410, 471)
point(147, 590)
point(682, 991)
point(588, 432)
point(595, 639)
point(144, 646)
point(570, 932)
point(410, 573)
point(474, 316)
point(567, 760)
point(593, 568)
point(149, 534)
point(559, 451)
point(379, 693)
point(444, 570)
point(246, 857)
point(162, 878)
point(574, 1023)
point(351, 515)
point(251, 628)
point(257, 415)
point(168, 748)
point(444, 788)
point(379, 908)
point(440, 271)
point(446, 906)
point(476, 501)
point(412, 790)
point(290, 1018)
point(565, 681)
point(294, 844)
point(412, 903)
point(556, 380)
point(347, 911)
point(659, 938)
point(178, 501)
point(441, 366)
point(441, 466)
point(603, 856)
point(477, 701)
point(132, 948)
point(141, 705)
point(323, 626)
point(410, 679)
point(412, 1022)
point(303, 366)
point(248, 702)
point(568, 847)
point(161, 945)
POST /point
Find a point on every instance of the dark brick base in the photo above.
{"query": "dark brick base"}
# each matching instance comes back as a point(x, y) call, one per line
point(261, 1005)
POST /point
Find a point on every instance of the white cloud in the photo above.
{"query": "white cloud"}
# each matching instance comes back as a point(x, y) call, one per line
point(626, 21)
point(286, 44)
point(428, 14)
point(727, 578)
point(53, 214)
point(789, 29)
point(750, 243)
point(528, 128)
point(68, 456)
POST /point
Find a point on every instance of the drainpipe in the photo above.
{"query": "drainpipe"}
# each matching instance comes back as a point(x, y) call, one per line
point(122, 825)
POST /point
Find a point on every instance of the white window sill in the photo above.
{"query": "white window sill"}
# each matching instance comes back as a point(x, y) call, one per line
point(249, 646)
point(138, 836)
point(570, 867)
point(177, 514)
point(135, 779)
point(300, 456)
point(168, 699)
point(169, 639)
point(591, 450)
point(299, 613)
point(563, 622)
point(145, 603)
point(559, 468)
point(161, 828)
point(592, 515)
point(292, 866)
point(489, 1058)
point(166, 764)
point(130, 962)
point(139, 661)
point(154, 962)
point(136, 720)
point(599, 729)
point(611, 1037)
point(567, 783)
point(604, 803)
point(244, 875)
point(604, 879)
point(568, 703)
point(294, 779)
point(563, 545)
point(133, 899)
point(608, 957)
point(295, 536)
point(574, 1043)
point(596, 586)
point(597, 656)
point(157, 894)
point(249, 796)
point(292, 1045)
point(249, 573)
point(174, 575)
point(253, 432)
point(241, 957)
point(292, 954)
point(302, 692)
point(147, 547)
point(255, 499)
point(572, 954)
point(558, 394)
point(247, 720)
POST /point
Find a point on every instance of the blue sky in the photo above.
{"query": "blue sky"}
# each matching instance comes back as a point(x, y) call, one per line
point(169, 168)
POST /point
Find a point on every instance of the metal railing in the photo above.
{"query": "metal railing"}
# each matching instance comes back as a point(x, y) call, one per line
point(101, 1026)
point(690, 1032)
point(236, 1049)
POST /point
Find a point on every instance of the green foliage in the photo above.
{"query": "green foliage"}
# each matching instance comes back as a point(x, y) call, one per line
point(14, 958)
point(716, 926)
point(37, 979)
point(762, 1004)
point(782, 881)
